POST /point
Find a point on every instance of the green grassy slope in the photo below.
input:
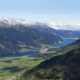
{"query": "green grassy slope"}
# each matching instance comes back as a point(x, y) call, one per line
point(11, 68)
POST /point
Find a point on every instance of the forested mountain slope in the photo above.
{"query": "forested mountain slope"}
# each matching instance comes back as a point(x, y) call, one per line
point(63, 67)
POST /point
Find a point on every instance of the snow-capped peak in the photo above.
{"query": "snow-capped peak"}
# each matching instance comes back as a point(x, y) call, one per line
point(54, 25)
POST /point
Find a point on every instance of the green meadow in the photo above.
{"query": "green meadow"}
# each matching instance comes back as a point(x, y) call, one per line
point(10, 67)
point(13, 67)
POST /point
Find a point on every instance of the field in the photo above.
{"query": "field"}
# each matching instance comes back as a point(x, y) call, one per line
point(11, 67)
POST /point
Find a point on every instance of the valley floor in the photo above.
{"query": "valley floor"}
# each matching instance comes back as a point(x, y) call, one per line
point(12, 66)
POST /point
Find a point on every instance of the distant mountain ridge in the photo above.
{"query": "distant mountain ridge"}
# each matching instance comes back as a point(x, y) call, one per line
point(68, 33)
point(54, 25)
point(66, 30)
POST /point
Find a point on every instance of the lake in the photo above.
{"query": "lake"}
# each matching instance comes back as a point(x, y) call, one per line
point(65, 43)
point(23, 54)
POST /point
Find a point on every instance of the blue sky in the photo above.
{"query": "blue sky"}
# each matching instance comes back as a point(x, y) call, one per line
point(41, 10)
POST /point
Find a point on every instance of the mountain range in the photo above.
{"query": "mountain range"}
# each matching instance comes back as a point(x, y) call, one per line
point(18, 36)
point(67, 30)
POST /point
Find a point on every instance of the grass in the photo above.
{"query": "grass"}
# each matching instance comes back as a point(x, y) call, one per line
point(10, 66)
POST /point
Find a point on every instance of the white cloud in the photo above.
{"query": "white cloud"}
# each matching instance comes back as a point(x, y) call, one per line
point(64, 26)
